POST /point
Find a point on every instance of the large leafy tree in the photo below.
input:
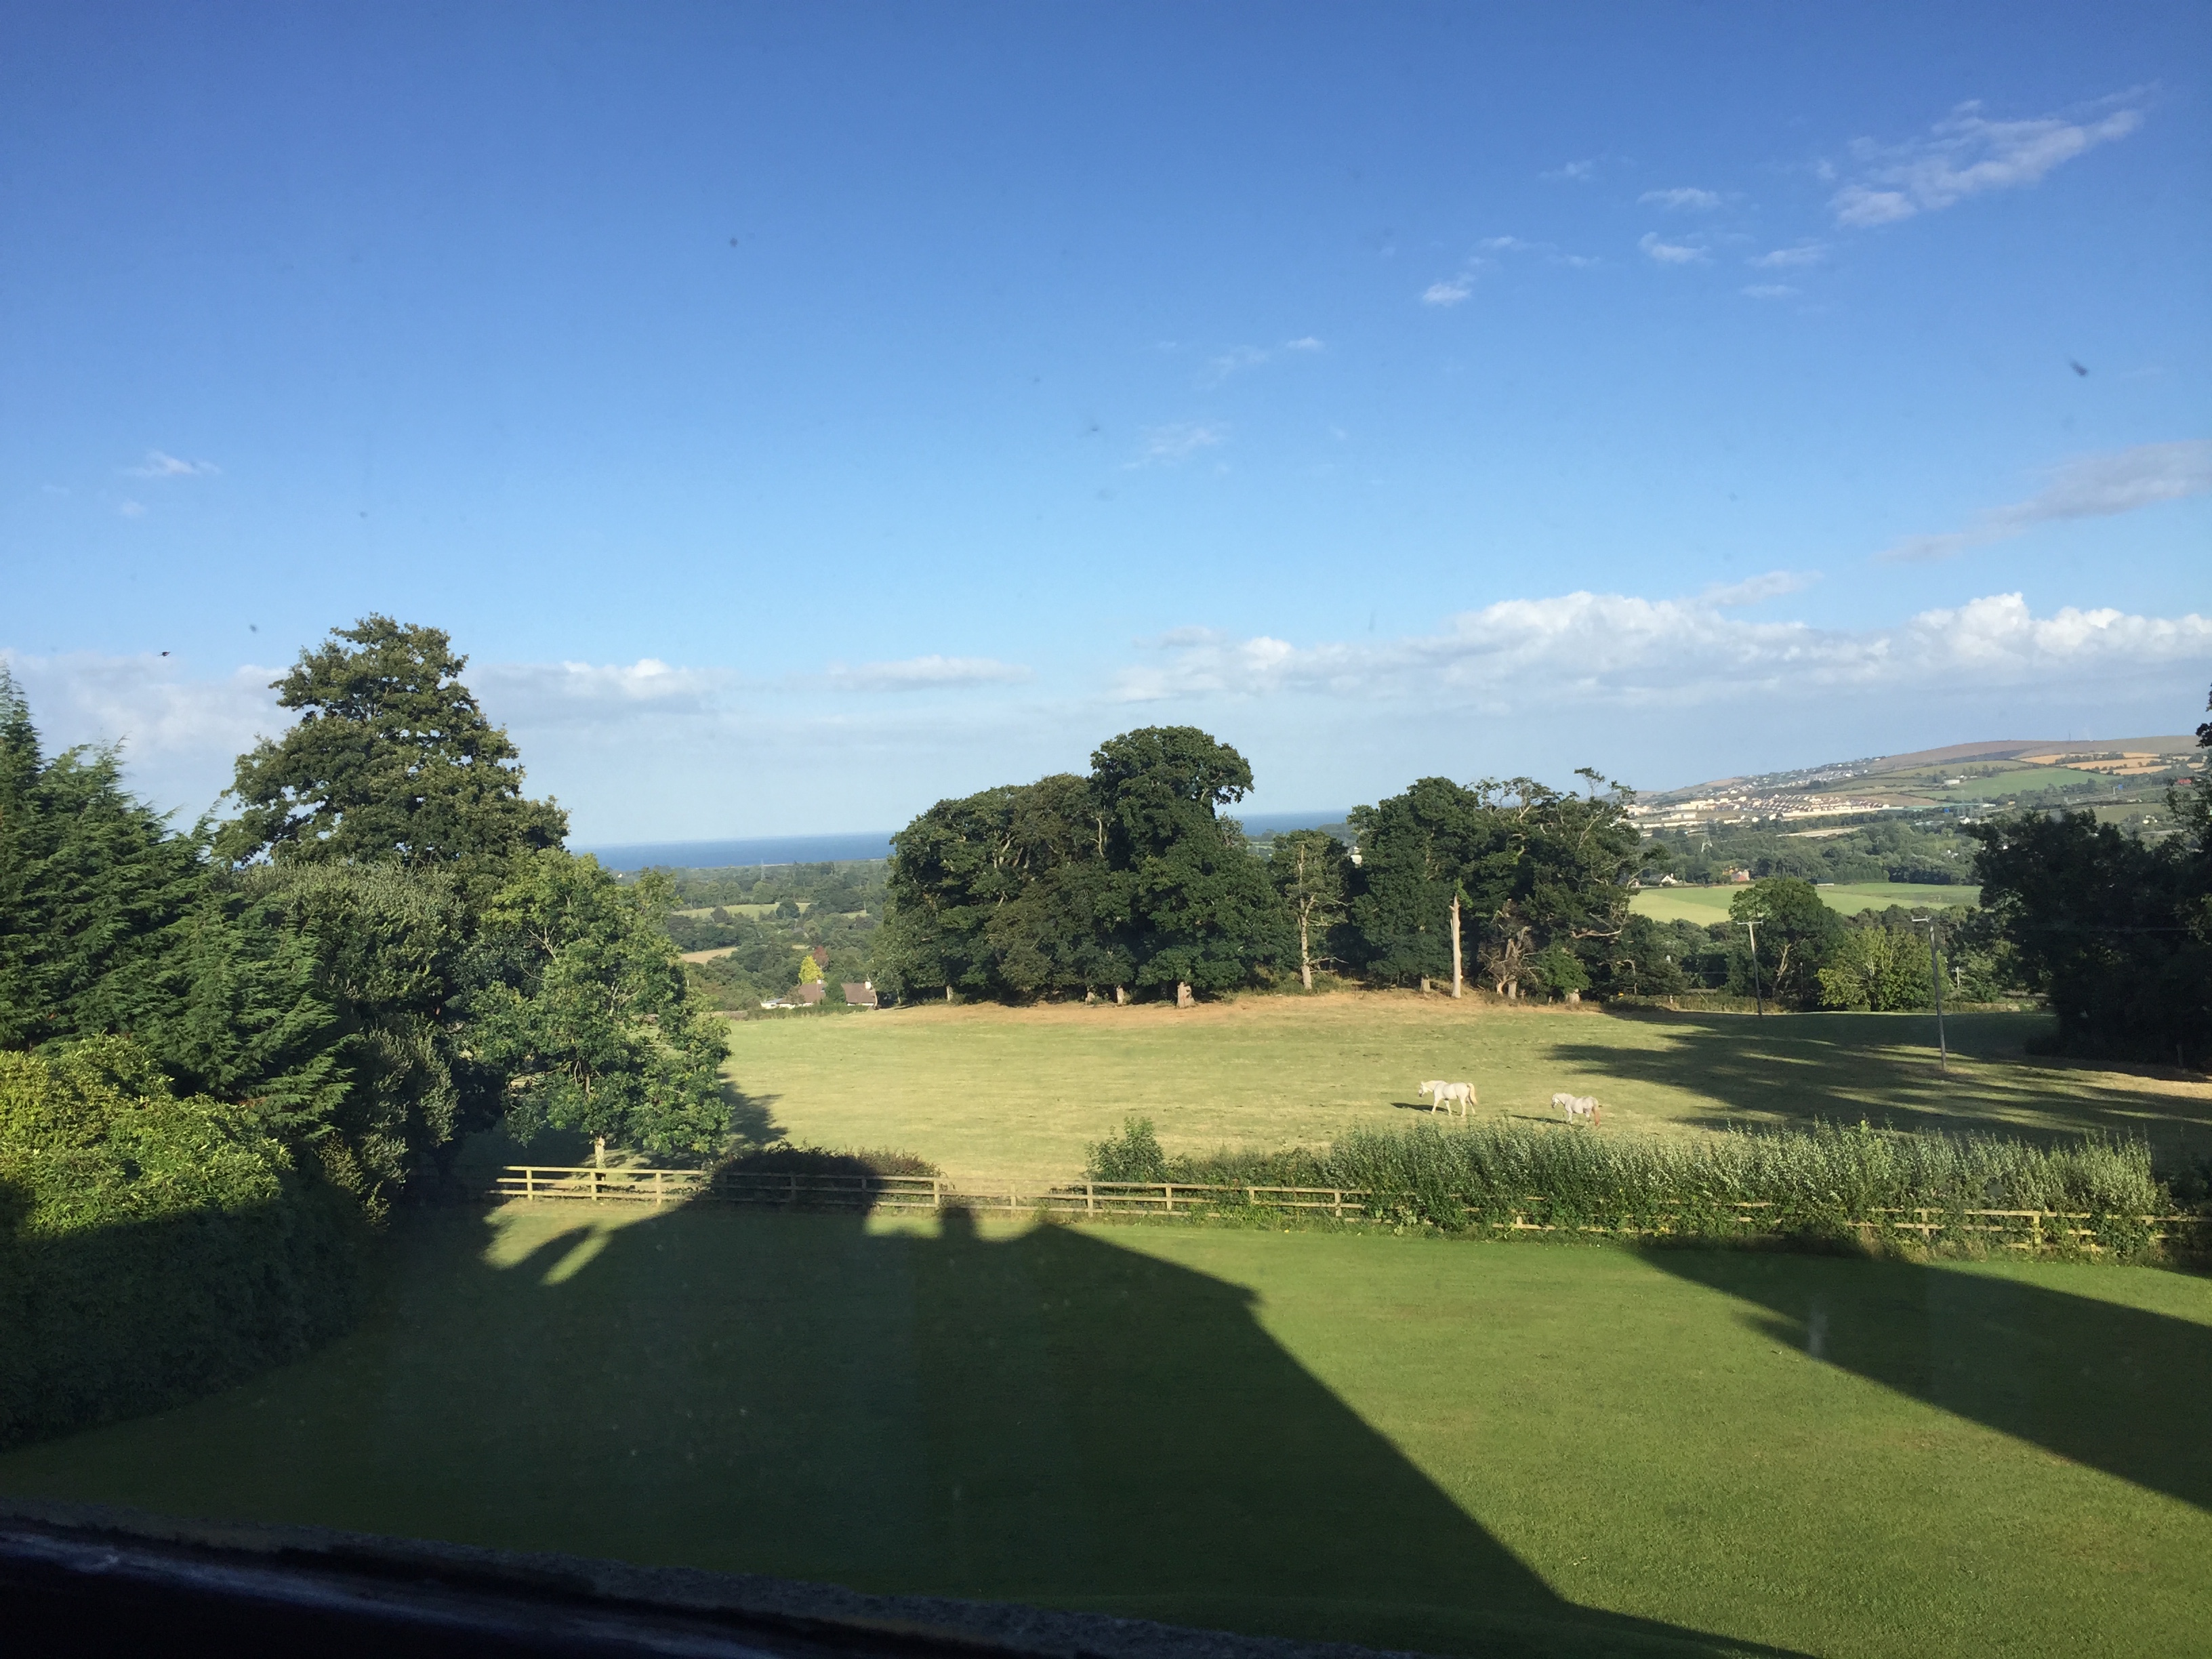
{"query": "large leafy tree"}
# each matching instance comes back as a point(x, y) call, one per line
point(1200, 911)
point(1797, 933)
point(590, 1024)
point(1418, 851)
point(391, 758)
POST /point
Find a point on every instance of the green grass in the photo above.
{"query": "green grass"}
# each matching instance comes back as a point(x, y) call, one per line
point(1706, 905)
point(1012, 1097)
point(1402, 1441)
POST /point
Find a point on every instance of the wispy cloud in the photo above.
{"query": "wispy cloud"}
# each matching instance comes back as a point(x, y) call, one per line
point(1790, 258)
point(1670, 253)
point(2089, 487)
point(1450, 291)
point(1570, 173)
point(1757, 590)
point(1489, 254)
point(130, 509)
point(159, 464)
point(1237, 359)
point(1967, 154)
point(1684, 199)
point(1165, 445)
point(930, 673)
point(1617, 650)
point(1769, 291)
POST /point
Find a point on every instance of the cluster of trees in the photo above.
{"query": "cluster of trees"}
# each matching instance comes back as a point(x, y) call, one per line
point(387, 948)
point(1133, 877)
point(2115, 929)
point(1931, 849)
point(766, 926)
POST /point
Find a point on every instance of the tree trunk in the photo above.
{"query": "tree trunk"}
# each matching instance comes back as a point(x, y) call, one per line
point(1455, 955)
point(1305, 951)
point(1121, 995)
point(1574, 999)
point(1183, 998)
point(598, 1152)
point(948, 993)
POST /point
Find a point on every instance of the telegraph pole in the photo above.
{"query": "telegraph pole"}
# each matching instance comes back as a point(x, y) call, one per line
point(1935, 976)
point(1757, 1000)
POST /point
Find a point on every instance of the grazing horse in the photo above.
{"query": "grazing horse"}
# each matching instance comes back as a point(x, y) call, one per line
point(1578, 1106)
point(1461, 1095)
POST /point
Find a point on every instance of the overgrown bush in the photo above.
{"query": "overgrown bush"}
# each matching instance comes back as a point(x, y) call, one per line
point(783, 1158)
point(153, 1247)
point(1826, 1182)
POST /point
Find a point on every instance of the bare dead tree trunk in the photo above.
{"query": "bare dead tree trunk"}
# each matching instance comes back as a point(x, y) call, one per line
point(948, 993)
point(1455, 951)
point(1183, 998)
point(1305, 949)
point(1121, 995)
point(598, 1152)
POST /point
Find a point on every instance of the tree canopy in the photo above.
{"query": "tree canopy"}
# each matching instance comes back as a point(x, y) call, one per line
point(390, 758)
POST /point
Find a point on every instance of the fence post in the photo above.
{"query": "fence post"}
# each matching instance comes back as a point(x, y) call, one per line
point(1167, 1189)
point(1089, 1199)
point(1336, 1200)
point(936, 1193)
point(529, 1182)
point(597, 1175)
point(794, 1190)
point(658, 1188)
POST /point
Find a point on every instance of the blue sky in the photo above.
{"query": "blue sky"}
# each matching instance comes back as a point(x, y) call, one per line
point(799, 414)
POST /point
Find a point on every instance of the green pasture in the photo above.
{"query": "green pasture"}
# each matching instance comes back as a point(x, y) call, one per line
point(1406, 1442)
point(1706, 905)
point(1010, 1099)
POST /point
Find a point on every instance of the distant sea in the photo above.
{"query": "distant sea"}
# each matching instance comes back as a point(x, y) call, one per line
point(826, 849)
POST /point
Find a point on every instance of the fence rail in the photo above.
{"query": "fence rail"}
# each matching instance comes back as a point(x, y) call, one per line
point(535, 1182)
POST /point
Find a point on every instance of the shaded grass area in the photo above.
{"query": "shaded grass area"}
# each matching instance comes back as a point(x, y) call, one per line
point(1398, 1441)
point(1012, 1097)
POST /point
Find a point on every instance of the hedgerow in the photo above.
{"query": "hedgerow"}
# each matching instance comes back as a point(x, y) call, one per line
point(153, 1247)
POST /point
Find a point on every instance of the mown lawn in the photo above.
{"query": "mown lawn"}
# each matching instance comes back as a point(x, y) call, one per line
point(1011, 1097)
point(1706, 905)
point(1403, 1441)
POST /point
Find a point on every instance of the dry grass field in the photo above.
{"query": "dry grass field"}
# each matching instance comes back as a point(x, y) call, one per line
point(1012, 1096)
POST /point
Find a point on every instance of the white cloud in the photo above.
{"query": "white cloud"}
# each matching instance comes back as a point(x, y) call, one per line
point(1788, 259)
point(1965, 154)
point(1165, 445)
point(1684, 197)
point(570, 692)
point(1450, 292)
point(1616, 650)
point(1770, 291)
point(930, 673)
point(2089, 487)
point(1571, 173)
point(1304, 343)
point(159, 465)
point(1670, 253)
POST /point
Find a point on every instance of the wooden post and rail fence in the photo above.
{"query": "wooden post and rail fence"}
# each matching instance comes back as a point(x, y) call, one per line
point(532, 1182)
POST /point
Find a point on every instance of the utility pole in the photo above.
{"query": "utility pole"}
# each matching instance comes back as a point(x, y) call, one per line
point(1757, 1000)
point(1935, 977)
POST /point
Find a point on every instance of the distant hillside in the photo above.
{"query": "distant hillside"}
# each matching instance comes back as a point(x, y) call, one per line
point(1961, 775)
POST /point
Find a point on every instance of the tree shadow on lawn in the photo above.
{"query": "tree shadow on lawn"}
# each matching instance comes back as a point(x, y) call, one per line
point(1796, 1067)
point(2117, 1389)
point(1043, 1418)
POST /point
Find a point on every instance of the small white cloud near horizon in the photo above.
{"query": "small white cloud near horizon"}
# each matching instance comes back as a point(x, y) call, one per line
point(2089, 487)
point(1450, 292)
point(159, 464)
point(1966, 153)
point(1177, 442)
point(1670, 253)
point(929, 674)
point(1685, 198)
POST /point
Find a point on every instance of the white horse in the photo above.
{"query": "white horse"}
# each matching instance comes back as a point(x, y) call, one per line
point(1578, 1106)
point(1460, 1095)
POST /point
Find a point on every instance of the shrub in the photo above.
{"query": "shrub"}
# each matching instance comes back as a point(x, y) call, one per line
point(153, 1247)
point(1133, 1155)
